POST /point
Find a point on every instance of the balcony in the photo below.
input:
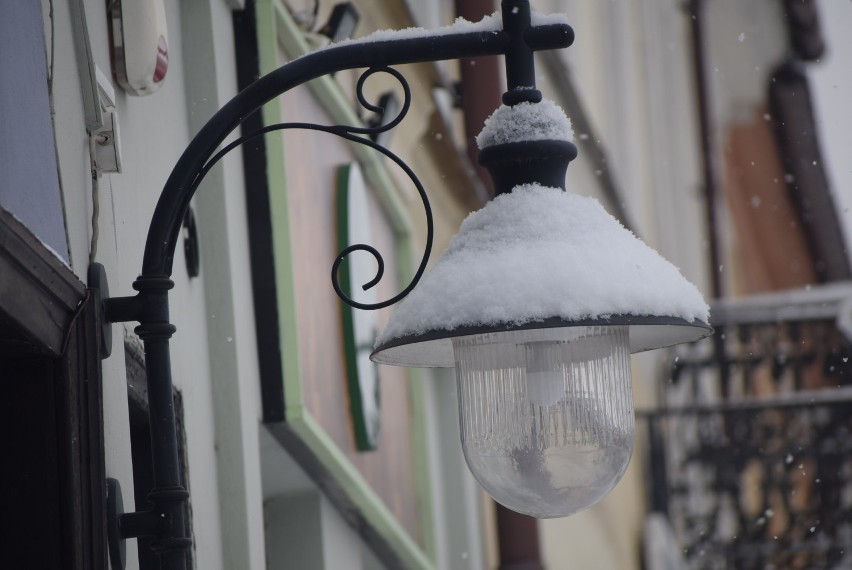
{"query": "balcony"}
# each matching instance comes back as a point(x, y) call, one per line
point(750, 455)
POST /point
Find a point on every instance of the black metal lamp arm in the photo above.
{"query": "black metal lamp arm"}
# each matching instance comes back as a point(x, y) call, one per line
point(165, 226)
point(165, 519)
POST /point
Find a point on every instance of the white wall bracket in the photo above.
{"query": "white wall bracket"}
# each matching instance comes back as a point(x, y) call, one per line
point(106, 151)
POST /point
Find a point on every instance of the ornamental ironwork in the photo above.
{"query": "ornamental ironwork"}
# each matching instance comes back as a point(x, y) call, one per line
point(750, 458)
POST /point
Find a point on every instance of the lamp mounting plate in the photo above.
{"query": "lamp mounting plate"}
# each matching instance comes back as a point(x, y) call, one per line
point(115, 542)
point(97, 279)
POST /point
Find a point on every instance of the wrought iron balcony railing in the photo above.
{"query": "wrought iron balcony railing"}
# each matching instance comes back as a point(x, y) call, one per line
point(750, 457)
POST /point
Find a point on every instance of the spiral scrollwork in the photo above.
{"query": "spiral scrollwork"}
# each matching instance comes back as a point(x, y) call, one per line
point(360, 135)
point(362, 100)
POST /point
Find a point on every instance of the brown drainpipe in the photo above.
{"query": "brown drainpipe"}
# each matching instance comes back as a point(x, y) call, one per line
point(481, 86)
point(517, 535)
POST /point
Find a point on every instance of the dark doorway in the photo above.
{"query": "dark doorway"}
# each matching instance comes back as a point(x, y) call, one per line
point(51, 425)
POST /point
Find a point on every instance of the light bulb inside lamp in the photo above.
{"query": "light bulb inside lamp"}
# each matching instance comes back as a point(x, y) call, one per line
point(546, 415)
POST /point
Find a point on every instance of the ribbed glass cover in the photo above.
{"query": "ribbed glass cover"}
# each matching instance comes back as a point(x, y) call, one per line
point(546, 415)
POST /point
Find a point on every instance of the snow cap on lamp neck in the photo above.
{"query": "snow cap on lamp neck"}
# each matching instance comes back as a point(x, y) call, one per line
point(527, 143)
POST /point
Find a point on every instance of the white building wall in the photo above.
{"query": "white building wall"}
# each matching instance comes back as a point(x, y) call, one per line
point(220, 203)
point(631, 65)
point(831, 89)
point(458, 500)
point(213, 354)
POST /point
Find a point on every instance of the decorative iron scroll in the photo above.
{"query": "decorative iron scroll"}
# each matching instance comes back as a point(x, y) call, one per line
point(752, 462)
point(358, 135)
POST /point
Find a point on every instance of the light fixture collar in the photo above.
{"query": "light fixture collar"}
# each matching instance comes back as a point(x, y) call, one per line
point(513, 164)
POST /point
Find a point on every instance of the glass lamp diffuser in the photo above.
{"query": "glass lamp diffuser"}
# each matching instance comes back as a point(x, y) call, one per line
point(546, 416)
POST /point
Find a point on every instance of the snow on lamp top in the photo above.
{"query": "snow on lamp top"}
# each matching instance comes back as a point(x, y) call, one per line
point(488, 24)
point(526, 122)
point(538, 253)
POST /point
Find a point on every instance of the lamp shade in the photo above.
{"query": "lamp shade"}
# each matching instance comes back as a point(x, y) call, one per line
point(542, 258)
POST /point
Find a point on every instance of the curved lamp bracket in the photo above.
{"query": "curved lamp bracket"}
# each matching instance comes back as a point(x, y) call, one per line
point(517, 41)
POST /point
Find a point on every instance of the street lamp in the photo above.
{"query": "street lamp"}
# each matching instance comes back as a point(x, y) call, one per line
point(537, 303)
point(531, 364)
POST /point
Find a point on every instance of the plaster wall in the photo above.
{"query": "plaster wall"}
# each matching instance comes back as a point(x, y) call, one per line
point(305, 531)
point(462, 535)
point(631, 66)
point(831, 88)
point(214, 351)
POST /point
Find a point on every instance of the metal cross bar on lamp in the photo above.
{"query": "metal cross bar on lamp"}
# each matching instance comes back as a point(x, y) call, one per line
point(513, 164)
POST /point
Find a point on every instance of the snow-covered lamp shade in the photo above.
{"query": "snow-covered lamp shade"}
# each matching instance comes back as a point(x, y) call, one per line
point(538, 302)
